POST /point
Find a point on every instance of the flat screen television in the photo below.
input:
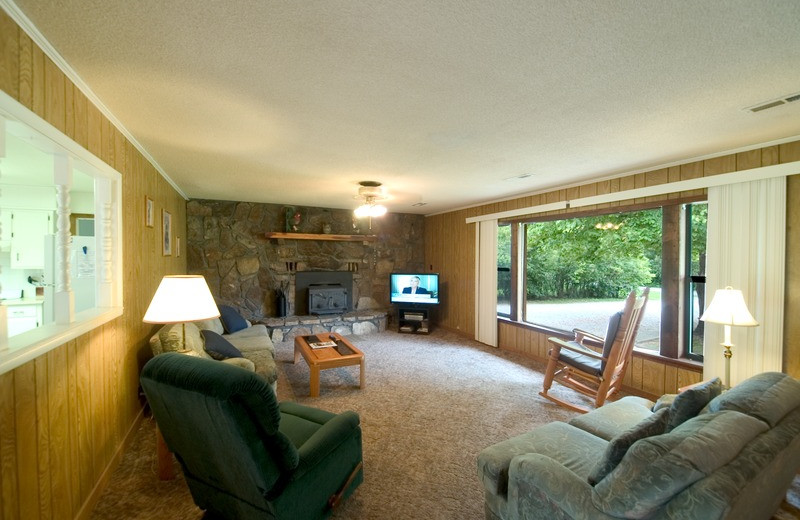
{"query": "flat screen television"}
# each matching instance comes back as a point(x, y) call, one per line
point(414, 288)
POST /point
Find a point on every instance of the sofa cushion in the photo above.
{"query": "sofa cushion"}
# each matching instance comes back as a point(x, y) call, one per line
point(231, 319)
point(768, 396)
point(688, 403)
point(211, 324)
point(258, 330)
point(613, 418)
point(617, 447)
point(176, 337)
point(247, 344)
point(218, 347)
point(657, 468)
point(572, 447)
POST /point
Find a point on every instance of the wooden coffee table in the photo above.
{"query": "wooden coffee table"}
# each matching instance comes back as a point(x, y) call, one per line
point(342, 355)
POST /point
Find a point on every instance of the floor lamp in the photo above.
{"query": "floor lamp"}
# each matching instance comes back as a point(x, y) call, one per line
point(178, 299)
point(728, 308)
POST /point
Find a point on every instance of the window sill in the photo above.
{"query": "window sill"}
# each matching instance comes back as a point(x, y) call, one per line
point(32, 344)
point(688, 364)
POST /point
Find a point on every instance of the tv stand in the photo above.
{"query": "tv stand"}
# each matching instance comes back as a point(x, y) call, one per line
point(414, 320)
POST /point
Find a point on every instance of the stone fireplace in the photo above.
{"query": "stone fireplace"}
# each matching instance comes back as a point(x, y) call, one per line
point(263, 276)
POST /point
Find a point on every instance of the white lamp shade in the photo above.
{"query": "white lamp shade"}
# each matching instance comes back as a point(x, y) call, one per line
point(728, 308)
point(181, 298)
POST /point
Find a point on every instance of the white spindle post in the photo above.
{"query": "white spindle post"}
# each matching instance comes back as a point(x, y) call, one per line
point(64, 298)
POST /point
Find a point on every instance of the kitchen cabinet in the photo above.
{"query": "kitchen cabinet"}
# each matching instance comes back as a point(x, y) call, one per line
point(23, 317)
point(5, 231)
point(28, 228)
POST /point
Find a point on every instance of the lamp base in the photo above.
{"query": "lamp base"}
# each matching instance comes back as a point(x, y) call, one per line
point(728, 354)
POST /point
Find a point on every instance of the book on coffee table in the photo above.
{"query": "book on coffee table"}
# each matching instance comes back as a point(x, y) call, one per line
point(322, 344)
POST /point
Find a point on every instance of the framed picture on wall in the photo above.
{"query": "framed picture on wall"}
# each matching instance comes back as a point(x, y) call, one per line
point(149, 218)
point(166, 230)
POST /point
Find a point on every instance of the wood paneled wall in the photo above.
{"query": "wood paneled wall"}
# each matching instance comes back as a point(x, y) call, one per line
point(450, 250)
point(65, 416)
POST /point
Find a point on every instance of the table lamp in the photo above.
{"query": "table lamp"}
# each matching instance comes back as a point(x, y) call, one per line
point(728, 308)
point(181, 298)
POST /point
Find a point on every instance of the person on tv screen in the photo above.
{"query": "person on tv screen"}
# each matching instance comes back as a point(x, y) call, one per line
point(414, 287)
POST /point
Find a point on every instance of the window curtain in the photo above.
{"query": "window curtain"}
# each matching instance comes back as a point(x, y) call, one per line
point(746, 249)
point(486, 282)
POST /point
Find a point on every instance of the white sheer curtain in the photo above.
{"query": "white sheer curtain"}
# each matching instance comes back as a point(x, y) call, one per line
point(486, 282)
point(746, 249)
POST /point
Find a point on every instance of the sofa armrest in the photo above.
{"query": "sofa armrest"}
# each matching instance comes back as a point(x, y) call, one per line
point(540, 487)
point(327, 439)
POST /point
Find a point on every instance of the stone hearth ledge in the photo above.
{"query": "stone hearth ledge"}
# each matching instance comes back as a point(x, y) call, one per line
point(347, 324)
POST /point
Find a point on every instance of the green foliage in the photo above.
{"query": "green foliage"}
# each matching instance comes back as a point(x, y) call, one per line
point(593, 257)
point(504, 260)
point(699, 214)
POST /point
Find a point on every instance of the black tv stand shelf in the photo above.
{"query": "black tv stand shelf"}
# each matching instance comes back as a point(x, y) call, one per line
point(413, 320)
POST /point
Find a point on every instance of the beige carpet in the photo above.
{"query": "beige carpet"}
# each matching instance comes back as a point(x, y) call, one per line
point(431, 403)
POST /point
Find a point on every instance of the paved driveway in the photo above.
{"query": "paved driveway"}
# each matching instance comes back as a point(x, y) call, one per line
point(593, 317)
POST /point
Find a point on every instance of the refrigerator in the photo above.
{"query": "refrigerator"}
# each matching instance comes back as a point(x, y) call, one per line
point(82, 259)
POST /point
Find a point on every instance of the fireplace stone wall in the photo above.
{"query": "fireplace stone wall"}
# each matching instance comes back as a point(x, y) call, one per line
point(226, 243)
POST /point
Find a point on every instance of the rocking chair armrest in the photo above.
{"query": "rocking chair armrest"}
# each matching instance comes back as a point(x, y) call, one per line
point(581, 334)
point(583, 351)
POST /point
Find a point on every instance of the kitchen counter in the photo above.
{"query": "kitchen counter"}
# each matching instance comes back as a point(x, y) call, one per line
point(38, 300)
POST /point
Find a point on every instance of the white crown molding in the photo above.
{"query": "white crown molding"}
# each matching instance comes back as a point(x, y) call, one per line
point(26, 25)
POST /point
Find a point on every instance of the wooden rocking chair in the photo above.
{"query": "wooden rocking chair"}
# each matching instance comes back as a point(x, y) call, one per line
point(597, 375)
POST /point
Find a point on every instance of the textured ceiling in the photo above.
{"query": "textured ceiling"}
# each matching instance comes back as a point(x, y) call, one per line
point(447, 103)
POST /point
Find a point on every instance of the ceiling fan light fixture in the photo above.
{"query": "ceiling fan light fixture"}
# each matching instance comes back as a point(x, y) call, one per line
point(371, 192)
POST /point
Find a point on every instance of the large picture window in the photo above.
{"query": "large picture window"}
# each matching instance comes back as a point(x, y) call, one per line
point(578, 270)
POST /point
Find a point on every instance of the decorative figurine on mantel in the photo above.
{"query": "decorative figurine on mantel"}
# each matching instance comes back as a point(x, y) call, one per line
point(293, 218)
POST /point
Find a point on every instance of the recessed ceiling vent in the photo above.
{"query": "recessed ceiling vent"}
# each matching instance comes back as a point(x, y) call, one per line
point(791, 98)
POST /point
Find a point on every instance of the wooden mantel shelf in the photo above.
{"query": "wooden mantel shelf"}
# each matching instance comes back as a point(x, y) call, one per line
point(321, 236)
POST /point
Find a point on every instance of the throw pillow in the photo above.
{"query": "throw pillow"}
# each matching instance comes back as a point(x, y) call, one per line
point(617, 447)
point(665, 401)
point(231, 319)
point(688, 403)
point(218, 347)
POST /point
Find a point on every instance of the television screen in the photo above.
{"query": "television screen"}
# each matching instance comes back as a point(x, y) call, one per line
point(414, 288)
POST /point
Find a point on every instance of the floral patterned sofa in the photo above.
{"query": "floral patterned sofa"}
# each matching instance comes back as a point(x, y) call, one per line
point(699, 455)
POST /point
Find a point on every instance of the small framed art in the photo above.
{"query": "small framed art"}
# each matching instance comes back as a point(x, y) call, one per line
point(149, 217)
point(166, 230)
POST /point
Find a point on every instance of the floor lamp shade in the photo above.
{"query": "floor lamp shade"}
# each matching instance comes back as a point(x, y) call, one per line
point(181, 298)
point(728, 308)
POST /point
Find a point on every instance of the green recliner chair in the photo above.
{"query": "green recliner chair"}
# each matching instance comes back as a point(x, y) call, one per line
point(243, 454)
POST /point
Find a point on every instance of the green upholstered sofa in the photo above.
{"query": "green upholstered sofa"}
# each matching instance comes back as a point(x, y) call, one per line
point(244, 455)
point(735, 458)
